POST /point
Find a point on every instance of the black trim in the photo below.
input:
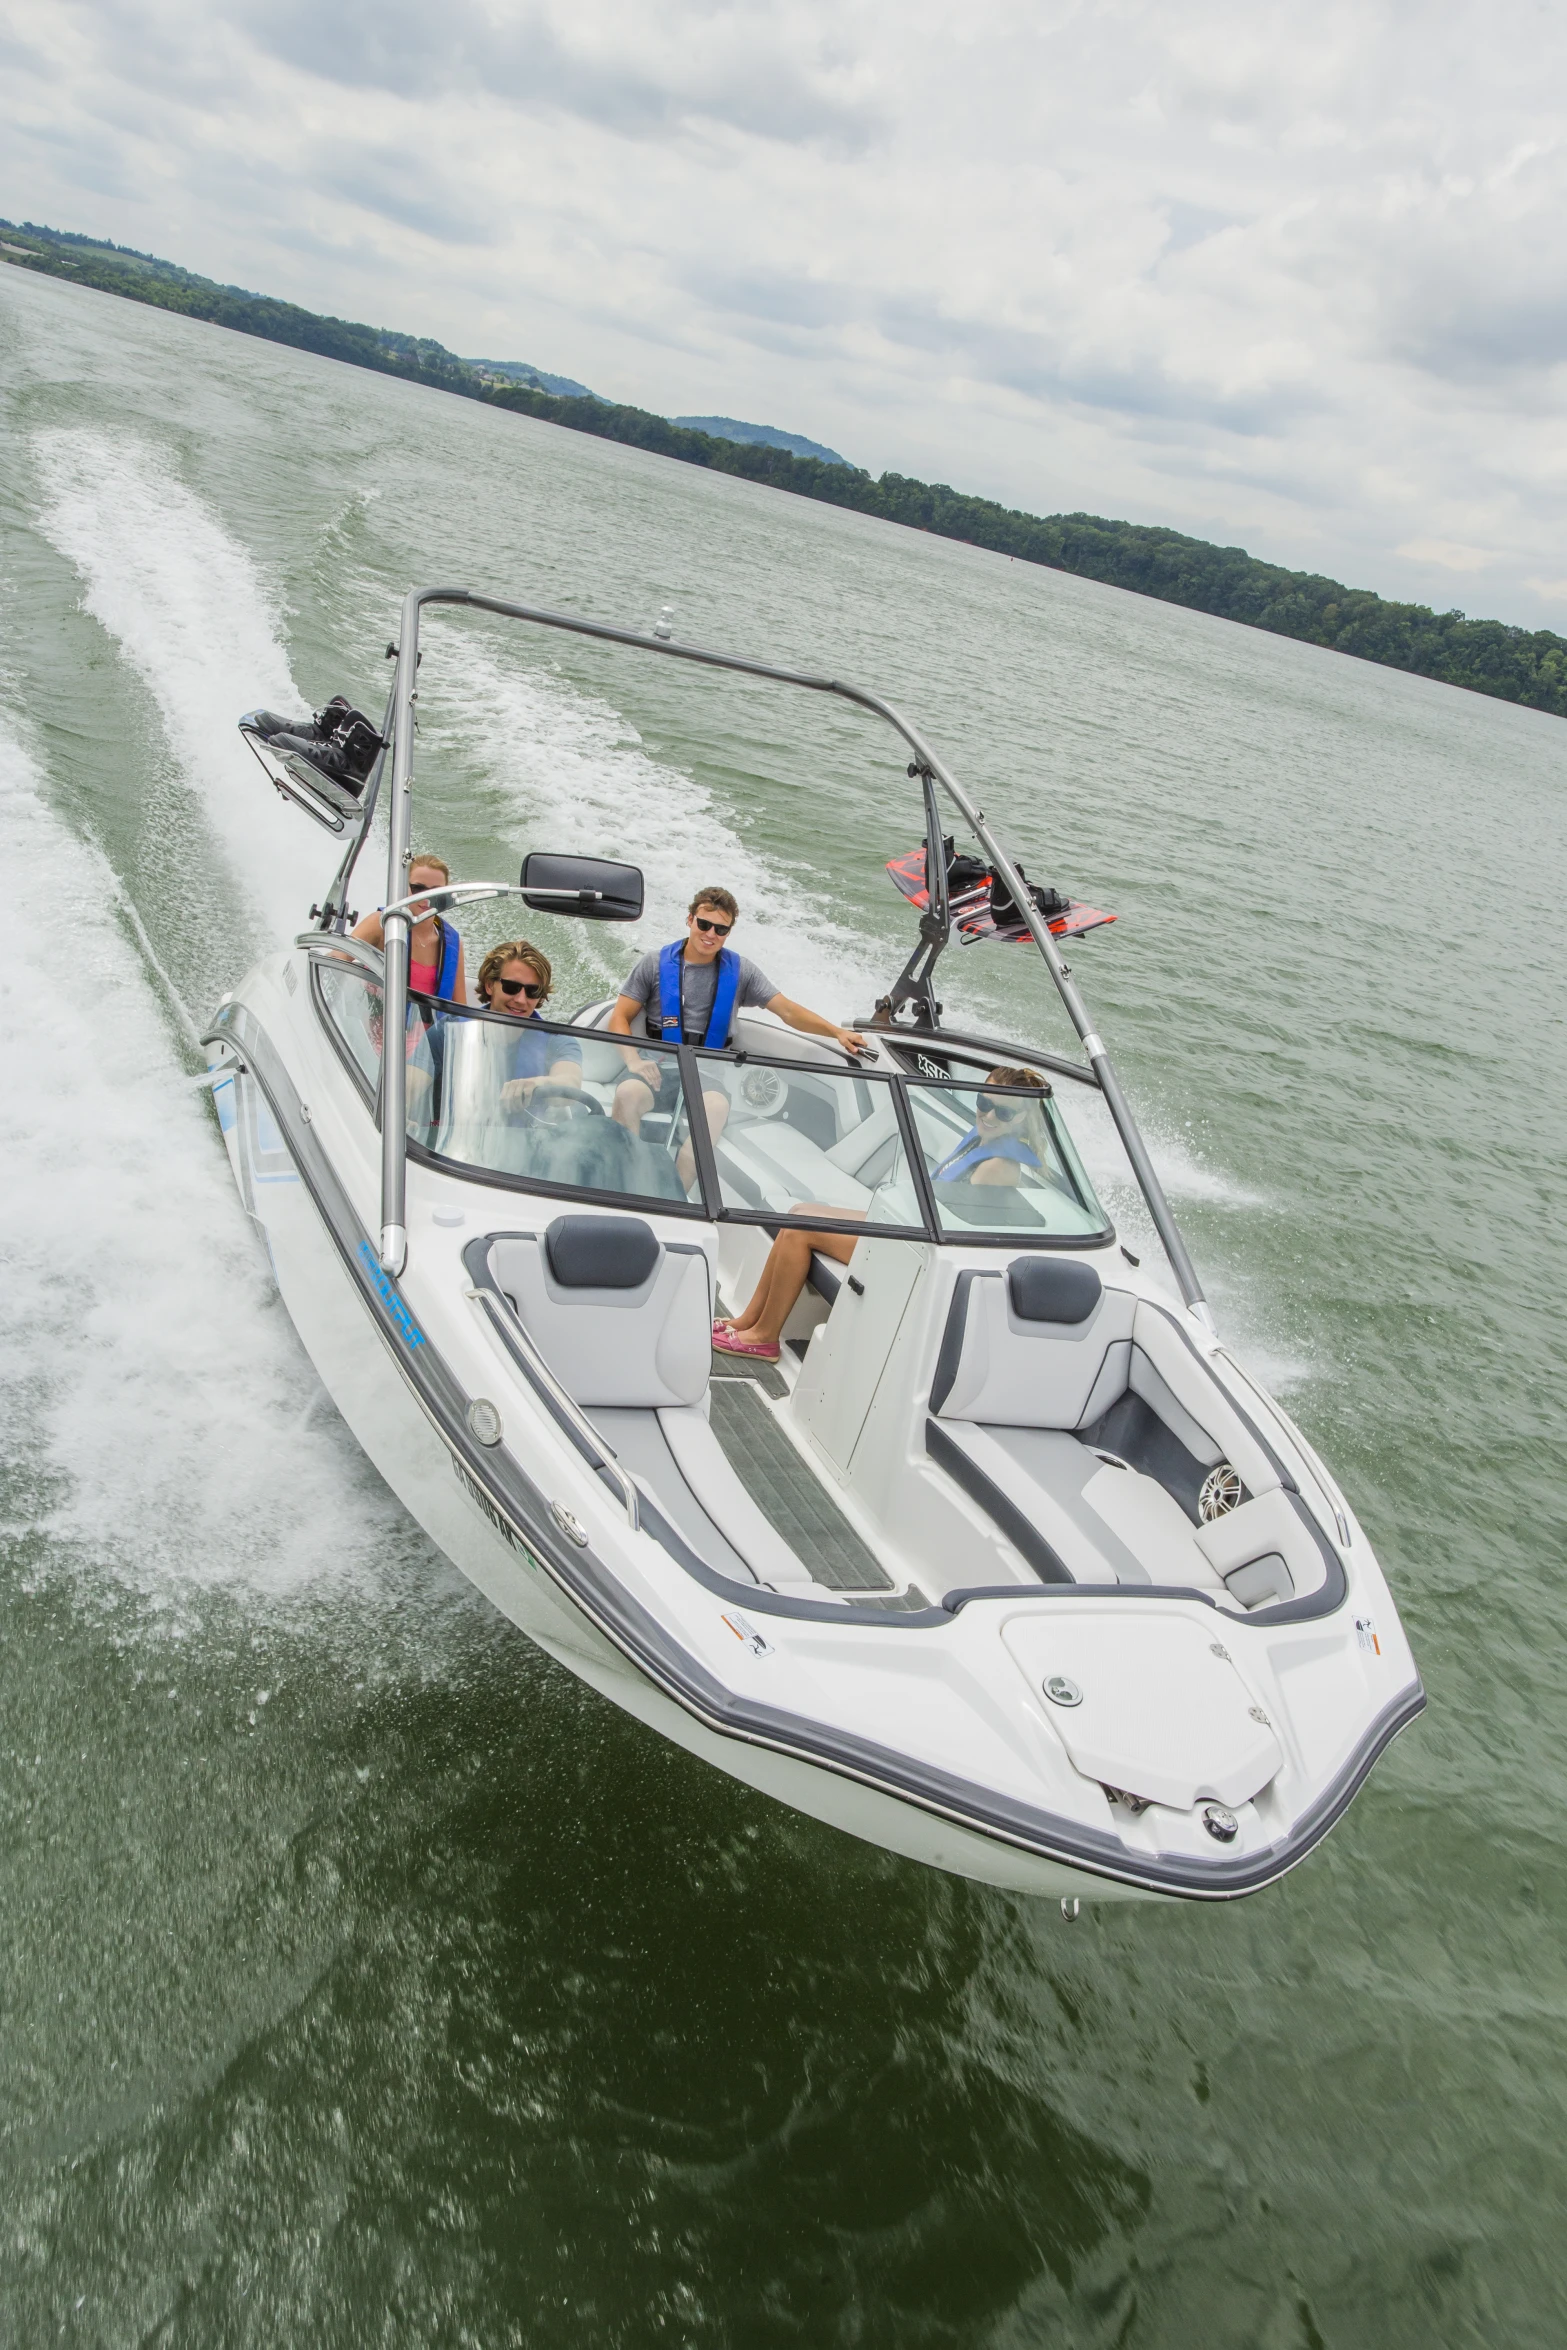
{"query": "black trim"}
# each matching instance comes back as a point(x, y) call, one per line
point(521, 1512)
point(978, 1049)
point(1024, 1537)
point(777, 1220)
point(697, 1127)
point(951, 1352)
point(914, 1160)
point(644, 1203)
point(826, 1277)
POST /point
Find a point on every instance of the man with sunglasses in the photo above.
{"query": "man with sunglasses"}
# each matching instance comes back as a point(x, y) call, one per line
point(688, 993)
point(516, 979)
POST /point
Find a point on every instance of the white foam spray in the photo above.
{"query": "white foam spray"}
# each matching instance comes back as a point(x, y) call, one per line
point(191, 613)
point(161, 1413)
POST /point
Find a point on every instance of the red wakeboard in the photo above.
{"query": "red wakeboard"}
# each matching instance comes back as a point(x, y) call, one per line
point(973, 912)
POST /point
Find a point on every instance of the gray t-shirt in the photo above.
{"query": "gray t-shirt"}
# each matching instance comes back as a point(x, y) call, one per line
point(698, 986)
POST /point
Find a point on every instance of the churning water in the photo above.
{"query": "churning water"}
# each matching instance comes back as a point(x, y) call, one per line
point(368, 1980)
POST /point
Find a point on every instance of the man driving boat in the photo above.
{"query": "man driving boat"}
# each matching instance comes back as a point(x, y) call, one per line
point(516, 980)
point(688, 993)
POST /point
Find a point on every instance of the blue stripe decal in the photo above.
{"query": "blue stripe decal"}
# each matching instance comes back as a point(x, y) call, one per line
point(390, 1296)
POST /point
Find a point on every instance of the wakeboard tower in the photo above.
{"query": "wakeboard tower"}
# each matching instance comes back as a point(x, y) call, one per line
point(1006, 1565)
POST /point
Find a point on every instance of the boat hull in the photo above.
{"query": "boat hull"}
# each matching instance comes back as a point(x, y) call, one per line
point(388, 1421)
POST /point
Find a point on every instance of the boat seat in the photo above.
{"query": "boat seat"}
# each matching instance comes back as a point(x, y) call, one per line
point(624, 1320)
point(1043, 1344)
point(1046, 1345)
point(1082, 1423)
point(621, 1317)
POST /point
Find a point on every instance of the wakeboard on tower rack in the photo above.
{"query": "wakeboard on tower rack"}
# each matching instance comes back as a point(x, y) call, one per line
point(971, 903)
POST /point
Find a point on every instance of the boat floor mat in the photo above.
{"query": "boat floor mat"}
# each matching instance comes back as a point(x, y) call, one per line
point(798, 1506)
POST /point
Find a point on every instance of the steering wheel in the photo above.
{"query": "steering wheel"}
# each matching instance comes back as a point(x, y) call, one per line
point(570, 1098)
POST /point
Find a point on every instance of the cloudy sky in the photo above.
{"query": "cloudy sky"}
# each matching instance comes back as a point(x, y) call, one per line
point(1291, 275)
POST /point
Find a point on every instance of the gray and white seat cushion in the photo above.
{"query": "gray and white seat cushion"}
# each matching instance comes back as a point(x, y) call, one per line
point(624, 1321)
point(1045, 1378)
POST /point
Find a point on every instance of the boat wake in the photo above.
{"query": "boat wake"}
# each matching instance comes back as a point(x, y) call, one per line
point(190, 612)
point(165, 1434)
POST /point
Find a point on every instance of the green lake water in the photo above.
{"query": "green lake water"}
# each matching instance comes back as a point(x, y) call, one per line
point(366, 1980)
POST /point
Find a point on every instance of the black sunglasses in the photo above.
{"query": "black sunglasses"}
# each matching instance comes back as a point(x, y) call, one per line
point(723, 928)
point(1000, 1108)
point(520, 986)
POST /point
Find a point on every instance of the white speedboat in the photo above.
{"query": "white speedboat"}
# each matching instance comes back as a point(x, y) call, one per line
point(1007, 1566)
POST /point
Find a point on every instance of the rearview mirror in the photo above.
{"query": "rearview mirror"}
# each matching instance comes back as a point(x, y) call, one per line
point(590, 887)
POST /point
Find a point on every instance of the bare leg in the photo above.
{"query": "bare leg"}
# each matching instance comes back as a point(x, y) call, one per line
point(785, 1274)
point(633, 1100)
point(717, 1107)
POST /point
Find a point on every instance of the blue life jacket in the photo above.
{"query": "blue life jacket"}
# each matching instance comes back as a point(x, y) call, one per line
point(724, 995)
point(971, 1153)
point(451, 947)
point(446, 960)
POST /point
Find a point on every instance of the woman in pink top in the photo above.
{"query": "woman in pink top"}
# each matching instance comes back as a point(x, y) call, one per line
point(435, 955)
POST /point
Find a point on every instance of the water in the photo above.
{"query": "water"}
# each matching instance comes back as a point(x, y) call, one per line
point(368, 1980)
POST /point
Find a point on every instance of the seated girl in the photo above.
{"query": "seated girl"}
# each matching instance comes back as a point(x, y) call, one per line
point(1008, 1135)
point(435, 956)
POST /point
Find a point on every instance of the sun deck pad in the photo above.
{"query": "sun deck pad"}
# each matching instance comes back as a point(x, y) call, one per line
point(1031, 1482)
point(794, 1499)
point(1150, 1523)
point(1162, 1711)
point(1048, 1473)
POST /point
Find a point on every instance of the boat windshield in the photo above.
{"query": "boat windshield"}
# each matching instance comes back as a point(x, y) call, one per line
point(1002, 1161)
point(546, 1107)
point(530, 1101)
point(797, 1138)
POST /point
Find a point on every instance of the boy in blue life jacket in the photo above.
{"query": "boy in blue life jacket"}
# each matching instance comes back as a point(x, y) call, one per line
point(688, 993)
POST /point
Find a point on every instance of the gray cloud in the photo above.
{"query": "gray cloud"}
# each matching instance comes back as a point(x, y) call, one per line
point(1289, 278)
point(730, 69)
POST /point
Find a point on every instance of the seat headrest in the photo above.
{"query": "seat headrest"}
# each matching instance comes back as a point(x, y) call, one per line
point(1044, 1289)
point(601, 1252)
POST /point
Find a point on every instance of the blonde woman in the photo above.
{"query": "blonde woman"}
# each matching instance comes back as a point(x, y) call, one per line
point(435, 956)
point(1008, 1133)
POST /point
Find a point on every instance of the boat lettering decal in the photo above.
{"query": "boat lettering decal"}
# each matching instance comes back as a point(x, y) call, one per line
point(386, 1290)
point(477, 1495)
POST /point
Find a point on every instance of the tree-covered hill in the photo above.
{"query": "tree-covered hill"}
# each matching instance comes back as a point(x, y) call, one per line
point(1484, 656)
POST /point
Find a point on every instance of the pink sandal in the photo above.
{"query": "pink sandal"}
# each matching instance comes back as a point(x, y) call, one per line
point(726, 1343)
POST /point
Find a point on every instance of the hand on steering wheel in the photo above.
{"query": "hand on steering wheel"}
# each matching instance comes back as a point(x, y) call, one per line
point(569, 1098)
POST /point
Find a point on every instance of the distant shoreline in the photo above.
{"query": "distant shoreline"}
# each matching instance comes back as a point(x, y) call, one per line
point(1511, 664)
